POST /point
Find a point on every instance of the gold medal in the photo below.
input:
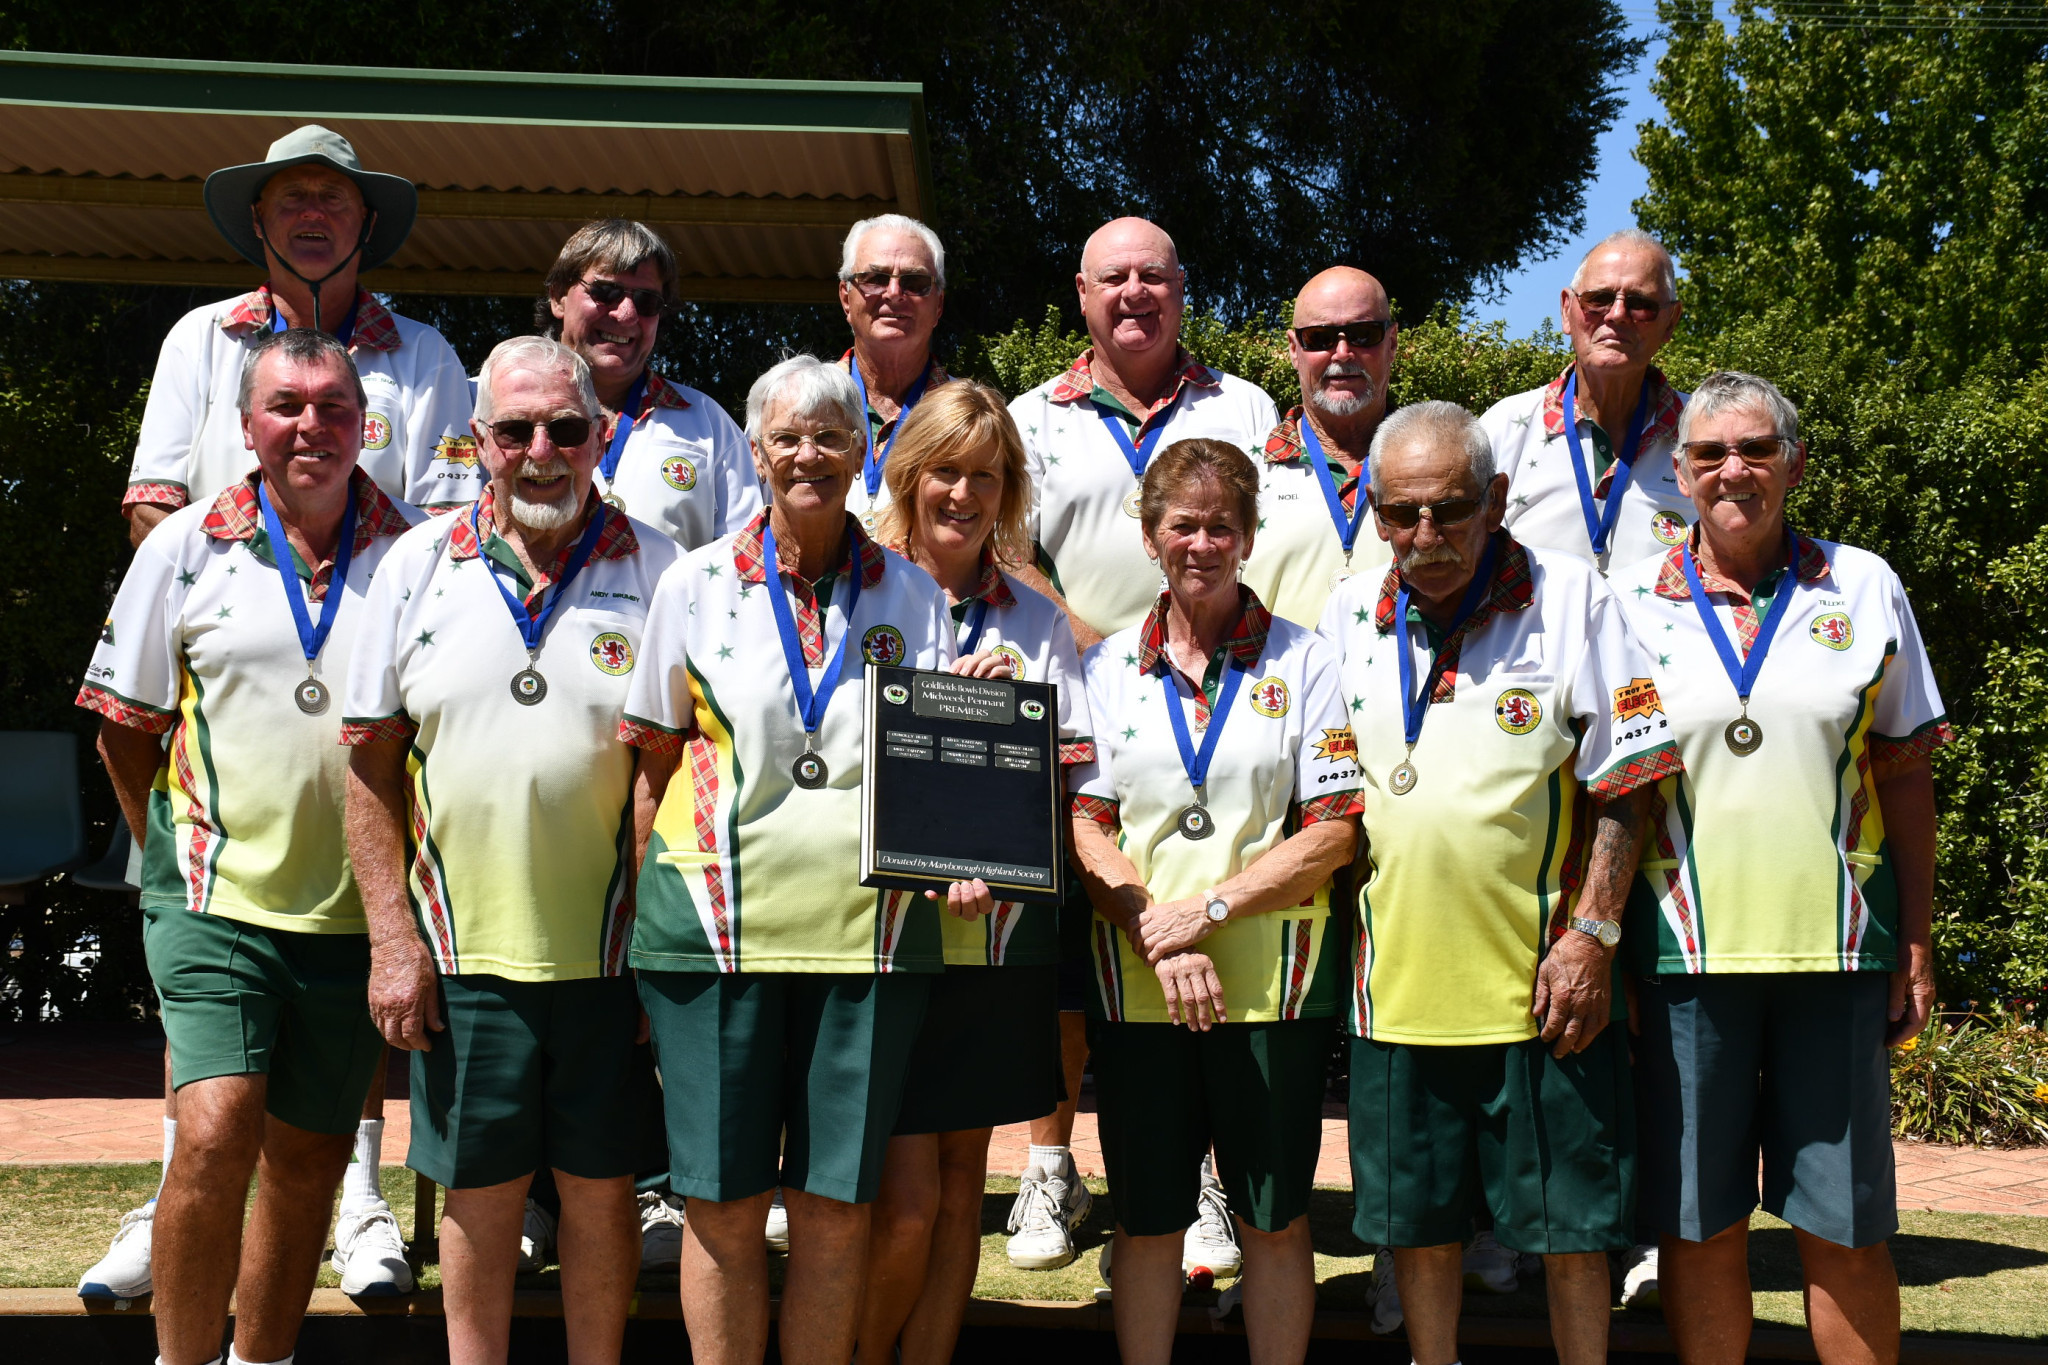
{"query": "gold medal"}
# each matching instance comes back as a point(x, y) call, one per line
point(1744, 736)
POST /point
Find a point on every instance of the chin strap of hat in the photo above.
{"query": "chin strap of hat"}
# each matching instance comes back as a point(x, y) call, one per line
point(362, 240)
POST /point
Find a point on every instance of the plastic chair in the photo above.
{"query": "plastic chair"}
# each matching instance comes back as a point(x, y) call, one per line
point(110, 873)
point(42, 826)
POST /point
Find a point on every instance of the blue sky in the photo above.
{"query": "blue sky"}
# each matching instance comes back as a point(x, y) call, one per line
point(1530, 295)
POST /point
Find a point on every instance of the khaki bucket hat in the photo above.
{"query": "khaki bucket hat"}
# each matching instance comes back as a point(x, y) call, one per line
point(230, 192)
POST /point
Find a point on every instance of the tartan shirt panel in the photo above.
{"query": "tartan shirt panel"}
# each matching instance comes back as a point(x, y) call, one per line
point(1334, 806)
point(1103, 810)
point(1077, 385)
point(1893, 752)
point(1665, 407)
point(358, 732)
point(120, 710)
point(934, 375)
point(615, 541)
point(749, 556)
point(1671, 584)
point(992, 588)
point(660, 394)
point(1513, 589)
point(157, 493)
point(649, 736)
point(1246, 641)
point(1284, 446)
point(237, 515)
point(374, 330)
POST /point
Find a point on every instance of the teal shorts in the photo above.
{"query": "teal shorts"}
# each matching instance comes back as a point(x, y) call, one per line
point(242, 1000)
point(989, 1051)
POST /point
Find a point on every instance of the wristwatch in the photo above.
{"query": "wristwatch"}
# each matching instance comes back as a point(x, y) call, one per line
point(1606, 931)
point(1216, 908)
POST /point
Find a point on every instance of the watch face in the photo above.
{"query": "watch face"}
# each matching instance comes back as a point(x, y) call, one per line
point(1218, 911)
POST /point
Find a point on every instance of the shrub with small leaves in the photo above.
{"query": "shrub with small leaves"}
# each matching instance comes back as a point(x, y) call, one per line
point(1978, 1082)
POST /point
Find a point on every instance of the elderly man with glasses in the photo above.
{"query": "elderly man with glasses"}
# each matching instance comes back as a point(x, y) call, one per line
point(1588, 455)
point(892, 287)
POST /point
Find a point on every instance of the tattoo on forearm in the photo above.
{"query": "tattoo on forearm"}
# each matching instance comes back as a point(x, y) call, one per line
point(1617, 843)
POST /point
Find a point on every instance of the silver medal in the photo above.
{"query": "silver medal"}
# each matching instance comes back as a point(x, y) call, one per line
point(810, 771)
point(1196, 823)
point(311, 696)
point(1402, 780)
point(528, 687)
point(1744, 735)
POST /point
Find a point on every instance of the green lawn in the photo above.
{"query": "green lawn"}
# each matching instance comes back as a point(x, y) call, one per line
point(1960, 1273)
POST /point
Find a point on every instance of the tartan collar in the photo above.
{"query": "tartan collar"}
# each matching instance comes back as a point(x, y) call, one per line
point(660, 394)
point(749, 556)
point(1284, 444)
point(1246, 641)
point(1665, 405)
point(237, 515)
point(934, 373)
point(993, 588)
point(1513, 588)
point(1671, 584)
point(375, 329)
point(615, 541)
point(1077, 385)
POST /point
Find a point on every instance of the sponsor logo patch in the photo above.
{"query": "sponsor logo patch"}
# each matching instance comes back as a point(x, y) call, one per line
point(1833, 630)
point(882, 645)
point(1517, 711)
point(376, 431)
point(107, 632)
point(612, 653)
point(457, 450)
point(678, 473)
point(1269, 697)
point(1031, 708)
point(1637, 699)
point(895, 694)
point(1339, 745)
point(1668, 527)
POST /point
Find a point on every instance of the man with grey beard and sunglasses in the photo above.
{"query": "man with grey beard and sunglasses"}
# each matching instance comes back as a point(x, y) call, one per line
point(1312, 532)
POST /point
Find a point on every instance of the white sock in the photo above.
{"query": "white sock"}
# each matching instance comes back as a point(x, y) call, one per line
point(1050, 1161)
point(359, 1188)
point(170, 1140)
point(217, 1360)
point(234, 1359)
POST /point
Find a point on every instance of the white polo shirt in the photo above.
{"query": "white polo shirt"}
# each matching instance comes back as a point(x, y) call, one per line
point(1545, 698)
point(521, 816)
point(1776, 861)
point(1084, 497)
point(245, 818)
point(1286, 758)
point(1544, 510)
point(416, 441)
point(686, 469)
point(746, 871)
point(1297, 557)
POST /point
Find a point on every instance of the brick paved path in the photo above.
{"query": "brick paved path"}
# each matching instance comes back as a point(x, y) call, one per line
point(95, 1094)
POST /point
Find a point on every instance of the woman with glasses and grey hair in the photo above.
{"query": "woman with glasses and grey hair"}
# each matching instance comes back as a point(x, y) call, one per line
point(1781, 930)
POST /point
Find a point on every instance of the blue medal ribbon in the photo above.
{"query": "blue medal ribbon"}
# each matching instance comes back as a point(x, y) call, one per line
point(1197, 764)
point(531, 627)
point(976, 619)
point(1414, 705)
point(342, 333)
point(1138, 454)
point(635, 396)
point(311, 637)
point(810, 705)
point(1599, 527)
point(872, 471)
point(1743, 673)
point(1347, 529)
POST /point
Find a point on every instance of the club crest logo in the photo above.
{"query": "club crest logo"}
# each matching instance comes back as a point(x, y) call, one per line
point(457, 450)
point(1668, 527)
point(1031, 709)
point(1338, 745)
point(1833, 630)
point(1269, 698)
point(882, 645)
point(612, 653)
point(1016, 659)
point(1638, 699)
point(678, 473)
point(376, 431)
point(1517, 711)
point(1131, 503)
point(896, 694)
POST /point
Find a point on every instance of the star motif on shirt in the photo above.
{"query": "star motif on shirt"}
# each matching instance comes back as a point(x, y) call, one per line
point(186, 578)
point(439, 591)
point(746, 590)
point(1130, 661)
point(1640, 591)
point(1358, 703)
point(426, 637)
point(725, 651)
point(732, 615)
point(1359, 616)
point(712, 570)
point(1669, 626)
point(232, 569)
point(1261, 526)
point(224, 613)
point(1663, 661)
point(1052, 459)
point(407, 597)
point(1520, 500)
point(1130, 732)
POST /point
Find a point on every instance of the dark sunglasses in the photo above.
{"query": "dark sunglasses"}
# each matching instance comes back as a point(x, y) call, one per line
point(875, 283)
point(1363, 336)
point(1757, 452)
point(516, 433)
point(1598, 303)
point(1403, 516)
point(648, 303)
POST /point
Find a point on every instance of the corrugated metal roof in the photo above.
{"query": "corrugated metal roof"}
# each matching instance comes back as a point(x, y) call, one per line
point(754, 182)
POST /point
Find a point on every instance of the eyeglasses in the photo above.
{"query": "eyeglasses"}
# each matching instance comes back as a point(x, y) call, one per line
point(1756, 452)
point(1363, 336)
point(1403, 516)
point(648, 303)
point(875, 283)
point(831, 441)
point(1597, 303)
point(516, 433)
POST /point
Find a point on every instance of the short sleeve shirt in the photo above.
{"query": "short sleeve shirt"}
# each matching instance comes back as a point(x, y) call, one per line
point(416, 441)
point(746, 871)
point(520, 816)
point(866, 505)
point(1540, 700)
point(686, 468)
point(1297, 556)
point(1084, 497)
point(1776, 861)
point(1285, 757)
point(1544, 510)
point(245, 820)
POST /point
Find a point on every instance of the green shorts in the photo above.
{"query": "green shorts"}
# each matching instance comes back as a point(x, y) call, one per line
point(781, 1078)
point(989, 1051)
point(1165, 1094)
point(533, 1073)
point(1789, 1067)
point(1548, 1147)
point(242, 1000)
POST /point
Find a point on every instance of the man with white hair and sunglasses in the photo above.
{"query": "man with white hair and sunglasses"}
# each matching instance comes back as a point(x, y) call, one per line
point(892, 288)
point(488, 806)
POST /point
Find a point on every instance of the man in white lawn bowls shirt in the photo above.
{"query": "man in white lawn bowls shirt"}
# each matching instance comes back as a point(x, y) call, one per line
point(892, 288)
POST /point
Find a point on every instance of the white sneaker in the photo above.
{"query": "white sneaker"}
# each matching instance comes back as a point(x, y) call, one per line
point(1489, 1265)
point(1211, 1241)
point(1639, 1278)
point(661, 1232)
point(777, 1230)
point(1044, 1215)
point(123, 1273)
point(1386, 1294)
point(536, 1239)
point(1102, 1291)
point(369, 1253)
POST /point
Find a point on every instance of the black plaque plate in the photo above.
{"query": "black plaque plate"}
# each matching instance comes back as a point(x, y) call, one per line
point(962, 781)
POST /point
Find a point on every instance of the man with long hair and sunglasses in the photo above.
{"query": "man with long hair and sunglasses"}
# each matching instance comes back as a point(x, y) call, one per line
point(892, 288)
point(1312, 502)
point(1589, 455)
point(670, 456)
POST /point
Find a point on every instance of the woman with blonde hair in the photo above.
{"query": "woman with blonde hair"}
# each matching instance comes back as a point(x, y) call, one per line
point(989, 1051)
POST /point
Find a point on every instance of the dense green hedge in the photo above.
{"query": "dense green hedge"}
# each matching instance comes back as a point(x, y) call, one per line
point(1946, 481)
